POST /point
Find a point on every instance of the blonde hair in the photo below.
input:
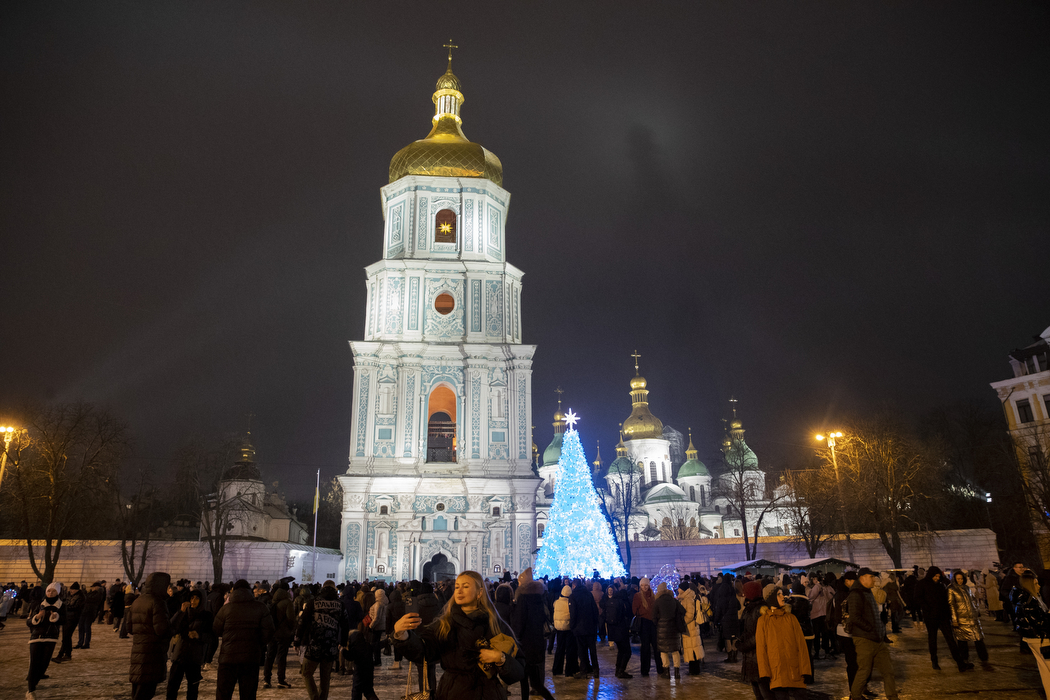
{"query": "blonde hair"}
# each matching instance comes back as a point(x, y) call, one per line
point(444, 623)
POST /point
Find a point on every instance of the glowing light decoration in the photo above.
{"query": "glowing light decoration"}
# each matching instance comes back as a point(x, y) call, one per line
point(577, 540)
point(670, 575)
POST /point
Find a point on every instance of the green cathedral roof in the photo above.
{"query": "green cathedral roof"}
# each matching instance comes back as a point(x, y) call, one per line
point(693, 467)
point(552, 454)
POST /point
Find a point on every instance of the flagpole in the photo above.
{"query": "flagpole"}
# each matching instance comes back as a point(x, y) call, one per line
point(317, 496)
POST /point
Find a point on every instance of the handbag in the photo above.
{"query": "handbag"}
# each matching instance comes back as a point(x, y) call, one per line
point(421, 695)
point(175, 647)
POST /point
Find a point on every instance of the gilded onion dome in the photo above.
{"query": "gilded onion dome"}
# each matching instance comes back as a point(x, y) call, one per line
point(737, 453)
point(623, 464)
point(552, 454)
point(446, 152)
point(641, 424)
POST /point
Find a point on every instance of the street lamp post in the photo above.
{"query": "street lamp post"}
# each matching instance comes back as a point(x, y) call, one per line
point(9, 432)
point(831, 437)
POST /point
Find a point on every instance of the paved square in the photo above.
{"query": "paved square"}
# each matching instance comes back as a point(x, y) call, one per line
point(102, 672)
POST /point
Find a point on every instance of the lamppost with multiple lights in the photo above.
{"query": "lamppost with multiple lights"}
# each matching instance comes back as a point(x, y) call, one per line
point(9, 433)
point(831, 438)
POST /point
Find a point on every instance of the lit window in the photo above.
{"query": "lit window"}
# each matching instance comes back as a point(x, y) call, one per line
point(497, 569)
point(445, 226)
point(1024, 411)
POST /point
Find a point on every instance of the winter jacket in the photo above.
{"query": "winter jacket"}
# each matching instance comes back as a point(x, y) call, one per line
point(46, 619)
point(378, 612)
point(245, 626)
point(668, 618)
point(597, 593)
point(116, 601)
point(504, 596)
point(95, 597)
point(966, 622)
point(75, 605)
point(840, 609)
point(526, 619)
point(196, 620)
point(692, 648)
point(642, 604)
point(616, 610)
point(150, 628)
point(932, 597)
point(864, 619)
point(323, 626)
point(745, 643)
point(304, 595)
point(781, 649)
point(428, 607)
point(462, 679)
point(1031, 619)
point(893, 597)
point(991, 586)
point(819, 597)
point(395, 608)
point(283, 614)
point(563, 610)
point(731, 609)
point(583, 614)
point(800, 609)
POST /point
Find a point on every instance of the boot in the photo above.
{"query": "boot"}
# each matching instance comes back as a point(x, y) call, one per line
point(677, 675)
point(694, 667)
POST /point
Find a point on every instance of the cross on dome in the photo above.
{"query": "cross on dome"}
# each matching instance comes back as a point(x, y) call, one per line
point(636, 357)
point(571, 418)
point(450, 46)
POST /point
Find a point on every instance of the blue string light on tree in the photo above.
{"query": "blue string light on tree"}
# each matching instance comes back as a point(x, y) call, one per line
point(577, 540)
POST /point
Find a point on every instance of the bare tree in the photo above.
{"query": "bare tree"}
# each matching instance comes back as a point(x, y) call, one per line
point(198, 475)
point(1031, 449)
point(59, 468)
point(624, 501)
point(135, 510)
point(891, 479)
point(812, 508)
point(678, 522)
point(742, 485)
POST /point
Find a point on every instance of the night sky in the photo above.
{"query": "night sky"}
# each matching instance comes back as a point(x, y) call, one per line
point(817, 208)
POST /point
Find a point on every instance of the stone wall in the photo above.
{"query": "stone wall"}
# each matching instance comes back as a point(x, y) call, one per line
point(970, 549)
point(91, 560)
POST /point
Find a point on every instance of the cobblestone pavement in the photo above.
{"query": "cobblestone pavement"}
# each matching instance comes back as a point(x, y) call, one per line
point(102, 671)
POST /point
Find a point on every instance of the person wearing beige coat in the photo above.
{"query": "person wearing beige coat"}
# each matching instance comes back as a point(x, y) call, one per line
point(692, 645)
point(991, 587)
point(966, 621)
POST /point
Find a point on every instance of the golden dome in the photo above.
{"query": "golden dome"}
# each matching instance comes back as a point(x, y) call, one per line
point(446, 152)
point(641, 424)
point(638, 383)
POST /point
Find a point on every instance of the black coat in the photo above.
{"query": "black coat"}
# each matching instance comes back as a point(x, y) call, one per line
point(75, 605)
point(527, 617)
point(800, 608)
point(284, 624)
point(669, 620)
point(150, 629)
point(42, 628)
point(245, 626)
point(196, 620)
point(583, 620)
point(116, 603)
point(746, 642)
point(932, 597)
point(463, 679)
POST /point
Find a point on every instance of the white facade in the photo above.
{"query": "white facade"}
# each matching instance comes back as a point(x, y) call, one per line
point(439, 478)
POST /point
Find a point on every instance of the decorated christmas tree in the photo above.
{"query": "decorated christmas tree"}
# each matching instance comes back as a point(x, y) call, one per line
point(577, 540)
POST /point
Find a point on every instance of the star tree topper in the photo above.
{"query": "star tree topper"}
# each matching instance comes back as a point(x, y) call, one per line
point(571, 419)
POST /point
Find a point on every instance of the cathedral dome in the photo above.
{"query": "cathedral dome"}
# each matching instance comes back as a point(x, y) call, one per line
point(446, 152)
point(641, 424)
point(693, 467)
point(623, 465)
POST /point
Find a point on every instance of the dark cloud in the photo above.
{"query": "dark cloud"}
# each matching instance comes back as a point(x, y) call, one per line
point(817, 209)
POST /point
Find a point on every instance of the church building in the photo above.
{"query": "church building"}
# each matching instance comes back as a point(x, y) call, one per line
point(440, 477)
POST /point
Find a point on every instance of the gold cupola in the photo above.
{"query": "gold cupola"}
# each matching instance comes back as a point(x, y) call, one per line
point(641, 424)
point(446, 152)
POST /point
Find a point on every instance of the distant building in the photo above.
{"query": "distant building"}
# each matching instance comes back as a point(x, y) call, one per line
point(668, 498)
point(1026, 403)
point(257, 515)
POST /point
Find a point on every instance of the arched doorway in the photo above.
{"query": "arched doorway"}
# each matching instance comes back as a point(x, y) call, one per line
point(441, 425)
point(439, 568)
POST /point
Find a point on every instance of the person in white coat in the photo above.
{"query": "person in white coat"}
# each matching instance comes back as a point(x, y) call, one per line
point(692, 644)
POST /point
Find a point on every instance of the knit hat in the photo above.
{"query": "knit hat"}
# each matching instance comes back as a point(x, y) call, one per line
point(54, 589)
point(752, 590)
point(661, 589)
point(566, 591)
point(769, 589)
point(644, 583)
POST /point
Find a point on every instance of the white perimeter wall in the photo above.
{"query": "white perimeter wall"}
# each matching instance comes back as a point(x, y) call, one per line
point(90, 560)
point(948, 549)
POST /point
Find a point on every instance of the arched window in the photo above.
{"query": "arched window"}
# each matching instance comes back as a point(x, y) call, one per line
point(445, 226)
point(736, 532)
point(422, 523)
point(383, 510)
point(703, 497)
point(692, 522)
point(380, 569)
point(636, 537)
point(495, 511)
point(667, 522)
point(652, 472)
point(718, 509)
point(497, 569)
point(539, 530)
point(692, 493)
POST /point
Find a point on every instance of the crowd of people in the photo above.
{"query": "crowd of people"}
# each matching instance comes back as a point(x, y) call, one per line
point(489, 636)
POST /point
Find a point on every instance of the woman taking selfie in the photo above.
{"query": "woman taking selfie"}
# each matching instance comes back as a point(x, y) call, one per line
point(457, 638)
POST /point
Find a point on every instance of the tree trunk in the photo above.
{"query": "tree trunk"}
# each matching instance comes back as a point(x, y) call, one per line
point(891, 542)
